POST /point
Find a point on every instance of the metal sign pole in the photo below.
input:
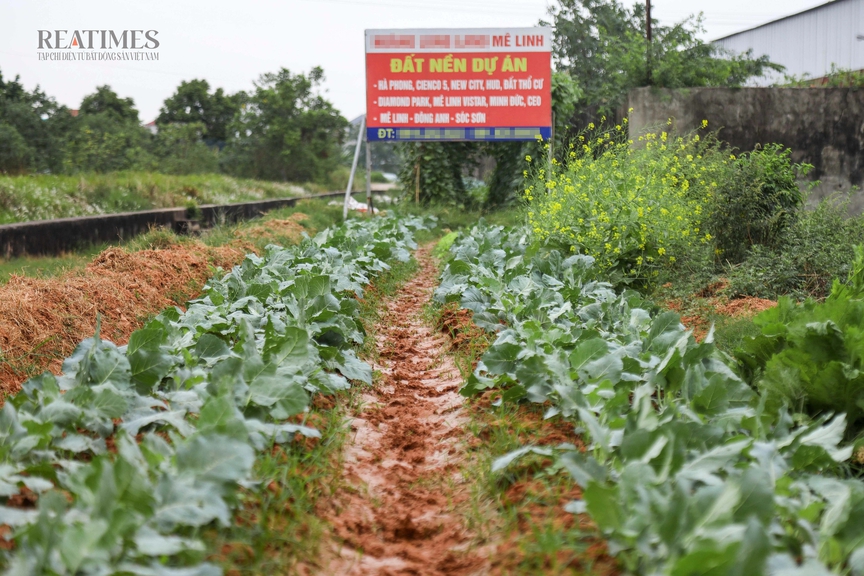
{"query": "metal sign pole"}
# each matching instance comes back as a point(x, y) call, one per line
point(360, 137)
point(369, 178)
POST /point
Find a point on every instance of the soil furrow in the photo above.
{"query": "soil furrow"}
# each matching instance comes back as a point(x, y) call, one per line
point(398, 512)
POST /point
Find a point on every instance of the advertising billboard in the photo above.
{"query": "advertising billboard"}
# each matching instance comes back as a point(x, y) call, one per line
point(458, 84)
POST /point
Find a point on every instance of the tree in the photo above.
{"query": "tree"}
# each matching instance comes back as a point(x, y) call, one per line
point(509, 157)
point(194, 103)
point(108, 136)
point(602, 44)
point(286, 130)
point(16, 157)
point(36, 129)
point(181, 151)
point(106, 101)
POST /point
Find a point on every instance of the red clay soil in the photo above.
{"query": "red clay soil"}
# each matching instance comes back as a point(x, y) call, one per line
point(397, 513)
point(745, 307)
point(699, 321)
point(43, 319)
point(539, 504)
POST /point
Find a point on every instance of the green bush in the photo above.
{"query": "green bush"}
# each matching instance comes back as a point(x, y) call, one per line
point(816, 248)
point(15, 155)
point(181, 150)
point(756, 201)
point(635, 208)
point(441, 166)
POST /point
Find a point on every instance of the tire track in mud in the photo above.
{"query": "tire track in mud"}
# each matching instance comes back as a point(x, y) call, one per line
point(397, 513)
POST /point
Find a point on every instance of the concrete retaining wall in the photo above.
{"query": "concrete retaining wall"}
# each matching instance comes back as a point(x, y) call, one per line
point(46, 237)
point(823, 126)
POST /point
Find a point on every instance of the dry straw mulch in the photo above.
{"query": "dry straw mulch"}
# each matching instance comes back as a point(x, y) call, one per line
point(42, 320)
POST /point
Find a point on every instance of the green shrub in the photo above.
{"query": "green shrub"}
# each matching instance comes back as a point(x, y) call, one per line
point(816, 248)
point(756, 202)
point(635, 209)
point(441, 168)
point(15, 155)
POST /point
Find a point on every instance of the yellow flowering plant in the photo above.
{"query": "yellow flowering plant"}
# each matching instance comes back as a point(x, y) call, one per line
point(634, 205)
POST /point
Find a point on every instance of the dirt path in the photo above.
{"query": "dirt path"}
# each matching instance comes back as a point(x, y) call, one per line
point(399, 512)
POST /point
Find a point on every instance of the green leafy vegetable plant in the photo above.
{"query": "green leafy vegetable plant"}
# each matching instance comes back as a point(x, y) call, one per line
point(134, 449)
point(688, 470)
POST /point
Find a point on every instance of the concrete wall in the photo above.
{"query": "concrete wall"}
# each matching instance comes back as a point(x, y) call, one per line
point(823, 126)
point(68, 234)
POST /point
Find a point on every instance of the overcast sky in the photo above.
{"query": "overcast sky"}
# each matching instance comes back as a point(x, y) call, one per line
point(231, 42)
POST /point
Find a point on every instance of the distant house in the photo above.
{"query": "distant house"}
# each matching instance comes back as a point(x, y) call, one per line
point(152, 127)
point(73, 112)
point(810, 43)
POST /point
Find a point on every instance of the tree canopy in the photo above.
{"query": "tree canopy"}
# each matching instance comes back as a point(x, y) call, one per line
point(193, 102)
point(287, 129)
point(603, 45)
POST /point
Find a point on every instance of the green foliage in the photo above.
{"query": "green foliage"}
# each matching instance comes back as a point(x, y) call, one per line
point(809, 355)
point(634, 209)
point(602, 44)
point(286, 130)
point(181, 150)
point(186, 405)
point(42, 128)
point(16, 157)
point(103, 143)
point(816, 248)
point(837, 77)
point(106, 101)
point(506, 178)
point(444, 244)
point(685, 469)
point(44, 197)
point(442, 166)
point(193, 103)
point(756, 202)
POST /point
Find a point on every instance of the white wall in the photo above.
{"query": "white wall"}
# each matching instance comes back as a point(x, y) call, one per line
point(808, 43)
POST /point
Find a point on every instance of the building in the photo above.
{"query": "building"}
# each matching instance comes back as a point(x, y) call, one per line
point(809, 44)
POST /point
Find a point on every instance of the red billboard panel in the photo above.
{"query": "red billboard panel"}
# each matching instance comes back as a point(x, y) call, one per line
point(459, 84)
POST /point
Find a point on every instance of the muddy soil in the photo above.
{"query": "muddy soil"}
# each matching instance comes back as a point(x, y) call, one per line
point(398, 512)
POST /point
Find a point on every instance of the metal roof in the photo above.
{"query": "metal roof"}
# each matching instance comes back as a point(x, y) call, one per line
point(809, 44)
point(819, 7)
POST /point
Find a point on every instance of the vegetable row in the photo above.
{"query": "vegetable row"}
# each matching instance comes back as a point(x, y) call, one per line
point(134, 449)
point(688, 470)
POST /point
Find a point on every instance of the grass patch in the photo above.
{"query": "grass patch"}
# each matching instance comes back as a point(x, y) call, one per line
point(730, 333)
point(47, 266)
point(467, 341)
point(49, 196)
point(522, 508)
